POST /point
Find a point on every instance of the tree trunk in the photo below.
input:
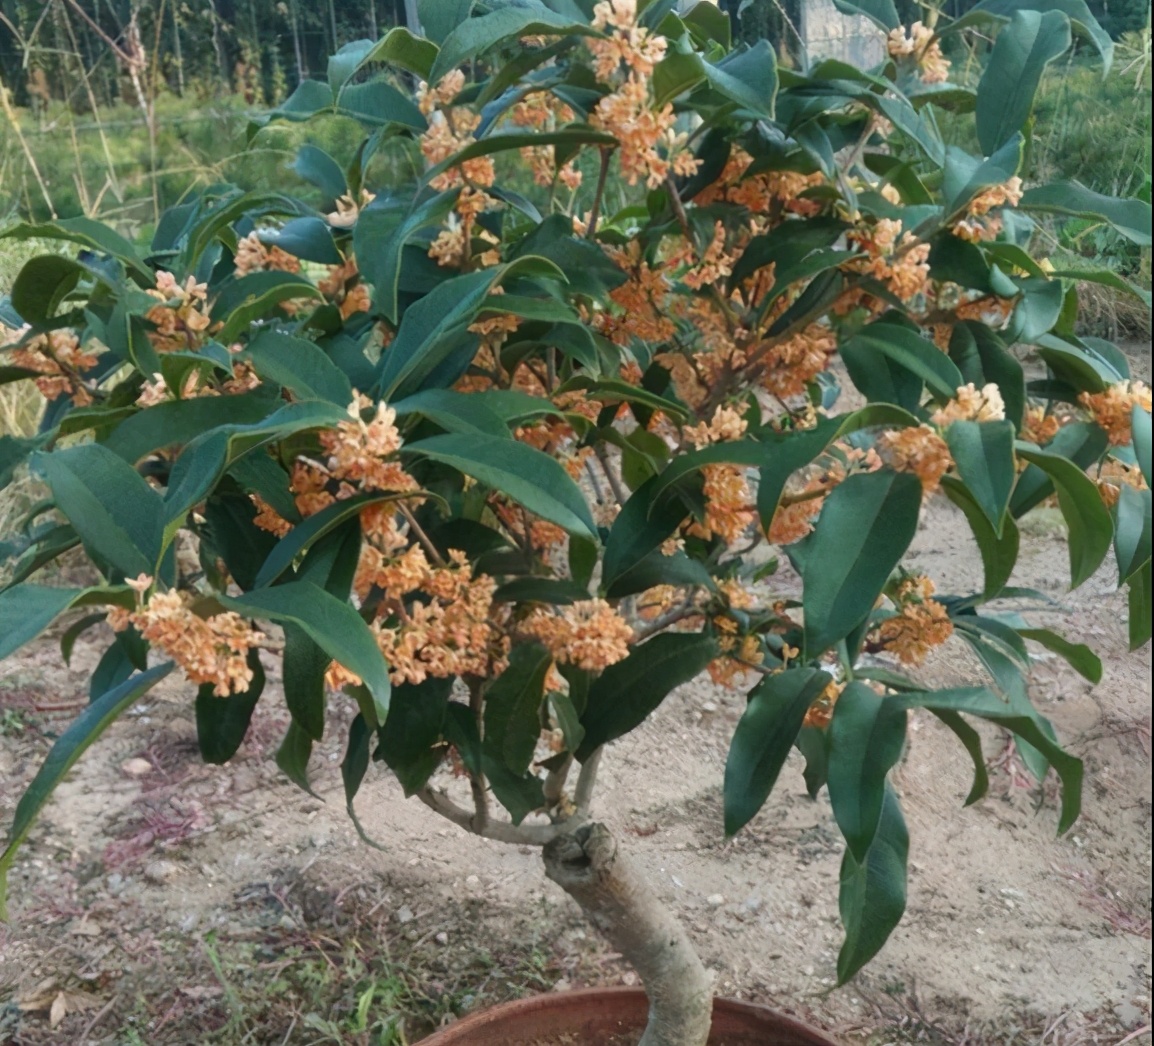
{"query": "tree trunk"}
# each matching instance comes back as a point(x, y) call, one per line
point(615, 896)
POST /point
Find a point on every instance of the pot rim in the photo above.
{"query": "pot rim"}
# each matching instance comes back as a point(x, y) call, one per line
point(577, 996)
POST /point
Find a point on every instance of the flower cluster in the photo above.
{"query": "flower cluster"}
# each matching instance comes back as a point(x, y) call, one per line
point(211, 650)
point(57, 360)
point(359, 450)
point(181, 317)
point(253, 256)
point(589, 634)
point(977, 225)
point(920, 624)
point(893, 258)
point(920, 450)
point(972, 404)
point(922, 47)
point(1113, 408)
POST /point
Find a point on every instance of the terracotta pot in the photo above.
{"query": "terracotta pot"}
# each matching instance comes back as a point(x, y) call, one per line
point(597, 1014)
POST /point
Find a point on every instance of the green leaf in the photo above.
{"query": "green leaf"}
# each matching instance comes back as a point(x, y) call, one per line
point(412, 729)
point(455, 411)
point(116, 513)
point(748, 78)
point(881, 12)
point(867, 735)
point(1027, 725)
point(570, 137)
point(1138, 603)
point(380, 237)
point(42, 285)
point(305, 534)
point(305, 665)
point(551, 591)
point(329, 622)
point(764, 736)
point(86, 232)
point(253, 297)
point(625, 693)
point(984, 454)
point(354, 766)
point(999, 553)
point(378, 103)
point(431, 329)
point(972, 742)
point(180, 421)
point(513, 707)
point(644, 522)
point(1131, 531)
point(875, 511)
point(675, 74)
point(872, 897)
point(1088, 520)
point(300, 366)
point(292, 757)
point(1006, 90)
point(400, 48)
point(1129, 217)
point(316, 166)
point(28, 609)
point(909, 350)
point(474, 36)
point(1076, 10)
point(71, 744)
point(565, 715)
point(1079, 656)
point(519, 471)
point(222, 722)
point(1082, 442)
point(1140, 436)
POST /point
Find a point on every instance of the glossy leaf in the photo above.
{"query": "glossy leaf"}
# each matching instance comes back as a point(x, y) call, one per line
point(764, 736)
point(1130, 217)
point(1088, 520)
point(300, 366)
point(867, 735)
point(521, 472)
point(1131, 531)
point(983, 452)
point(1079, 656)
point(28, 609)
point(878, 511)
point(222, 722)
point(116, 513)
point(1021, 53)
point(622, 697)
point(872, 896)
point(914, 353)
point(329, 622)
point(413, 729)
point(999, 552)
point(513, 706)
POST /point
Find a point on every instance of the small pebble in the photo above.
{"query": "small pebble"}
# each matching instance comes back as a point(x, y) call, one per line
point(136, 767)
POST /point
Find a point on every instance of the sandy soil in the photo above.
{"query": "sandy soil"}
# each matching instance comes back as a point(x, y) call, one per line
point(1012, 934)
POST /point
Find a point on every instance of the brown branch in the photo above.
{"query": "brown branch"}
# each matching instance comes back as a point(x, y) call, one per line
point(501, 831)
point(602, 178)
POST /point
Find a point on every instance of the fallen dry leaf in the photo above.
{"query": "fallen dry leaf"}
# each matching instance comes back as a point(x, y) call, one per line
point(69, 1002)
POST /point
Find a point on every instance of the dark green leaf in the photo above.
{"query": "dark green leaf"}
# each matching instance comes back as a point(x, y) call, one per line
point(314, 165)
point(253, 297)
point(305, 664)
point(1006, 91)
point(455, 411)
point(1138, 603)
point(1082, 442)
point(292, 757)
point(1088, 520)
point(764, 736)
point(1130, 217)
point(972, 742)
point(1131, 531)
point(521, 472)
point(400, 48)
point(1140, 435)
point(299, 365)
point(999, 553)
point(877, 511)
point(179, 421)
point(42, 285)
point(909, 350)
point(872, 897)
point(625, 693)
point(1079, 656)
point(116, 513)
point(867, 735)
point(330, 622)
point(413, 729)
point(88, 233)
point(1032, 728)
point(222, 722)
point(513, 707)
point(983, 452)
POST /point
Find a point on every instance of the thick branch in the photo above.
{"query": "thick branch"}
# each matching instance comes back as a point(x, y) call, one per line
point(501, 831)
point(614, 894)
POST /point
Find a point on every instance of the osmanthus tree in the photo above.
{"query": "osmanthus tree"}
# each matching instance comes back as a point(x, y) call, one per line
point(497, 455)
